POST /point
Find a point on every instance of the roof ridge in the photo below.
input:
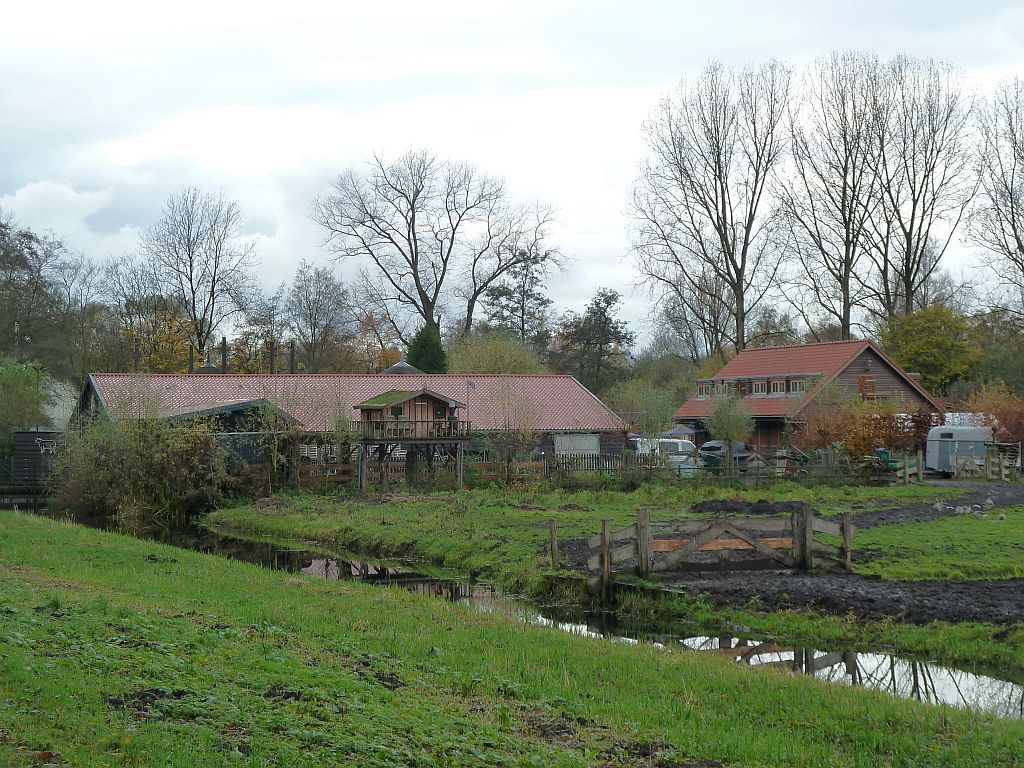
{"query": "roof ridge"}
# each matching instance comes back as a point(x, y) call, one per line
point(808, 344)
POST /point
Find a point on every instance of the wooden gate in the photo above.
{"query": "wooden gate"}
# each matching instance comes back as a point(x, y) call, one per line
point(657, 547)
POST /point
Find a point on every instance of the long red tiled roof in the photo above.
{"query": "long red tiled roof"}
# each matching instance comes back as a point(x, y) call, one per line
point(557, 403)
point(825, 359)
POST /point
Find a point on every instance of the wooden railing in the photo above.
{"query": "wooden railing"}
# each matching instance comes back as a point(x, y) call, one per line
point(397, 429)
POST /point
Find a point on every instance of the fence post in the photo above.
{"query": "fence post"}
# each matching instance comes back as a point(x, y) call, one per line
point(920, 465)
point(906, 468)
point(798, 540)
point(606, 557)
point(847, 541)
point(644, 553)
point(808, 536)
point(554, 542)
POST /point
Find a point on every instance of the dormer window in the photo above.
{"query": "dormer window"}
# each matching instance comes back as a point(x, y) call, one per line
point(797, 385)
point(760, 387)
point(703, 390)
point(778, 387)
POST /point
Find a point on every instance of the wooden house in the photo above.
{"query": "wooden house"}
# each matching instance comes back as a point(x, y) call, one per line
point(410, 416)
point(777, 384)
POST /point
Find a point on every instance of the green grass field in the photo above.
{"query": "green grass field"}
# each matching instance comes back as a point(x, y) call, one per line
point(498, 533)
point(117, 651)
point(962, 547)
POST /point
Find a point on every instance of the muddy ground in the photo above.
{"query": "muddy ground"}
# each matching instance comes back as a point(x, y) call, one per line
point(745, 576)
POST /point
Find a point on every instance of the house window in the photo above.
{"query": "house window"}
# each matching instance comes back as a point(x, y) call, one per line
point(760, 387)
point(866, 386)
point(587, 445)
point(797, 385)
point(721, 389)
point(778, 387)
point(703, 390)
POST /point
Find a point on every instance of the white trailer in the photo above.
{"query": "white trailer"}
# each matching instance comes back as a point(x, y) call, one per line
point(944, 443)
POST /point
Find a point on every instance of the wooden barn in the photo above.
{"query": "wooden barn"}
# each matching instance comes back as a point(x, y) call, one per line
point(777, 384)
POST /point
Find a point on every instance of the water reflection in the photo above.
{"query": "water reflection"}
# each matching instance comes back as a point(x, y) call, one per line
point(896, 675)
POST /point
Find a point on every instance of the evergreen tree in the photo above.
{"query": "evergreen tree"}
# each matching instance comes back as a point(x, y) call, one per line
point(594, 346)
point(519, 304)
point(426, 351)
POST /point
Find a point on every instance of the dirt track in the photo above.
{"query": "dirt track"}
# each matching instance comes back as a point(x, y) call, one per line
point(919, 602)
point(997, 601)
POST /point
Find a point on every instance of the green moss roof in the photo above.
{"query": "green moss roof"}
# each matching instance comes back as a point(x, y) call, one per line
point(386, 398)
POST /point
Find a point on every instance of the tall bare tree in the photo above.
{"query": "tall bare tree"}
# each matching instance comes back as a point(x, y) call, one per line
point(832, 188)
point(200, 261)
point(925, 173)
point(317, 310)
point(701, 204)
point(437, 233)
point(997, 221)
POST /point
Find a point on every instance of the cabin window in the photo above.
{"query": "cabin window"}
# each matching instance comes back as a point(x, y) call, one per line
point(945, 435)
point(396, 411)
point(703, 390)
point(797, 385)
point(439, 413)
point(760, 387)
point(778, 387)
point(866, 386)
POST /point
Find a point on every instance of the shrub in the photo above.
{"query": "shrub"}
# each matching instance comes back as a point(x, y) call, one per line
point(142, 468)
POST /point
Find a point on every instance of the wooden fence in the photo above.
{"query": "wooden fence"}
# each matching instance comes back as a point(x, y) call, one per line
point(653, 547)
point(997, 464)
point(602, 463)
point(313, 474)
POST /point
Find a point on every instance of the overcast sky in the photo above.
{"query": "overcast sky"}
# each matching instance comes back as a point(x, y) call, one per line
point(106, 107)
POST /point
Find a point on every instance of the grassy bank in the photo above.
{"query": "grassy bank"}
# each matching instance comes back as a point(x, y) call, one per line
point(498, 533)
point(962, 547)
point(115, 651)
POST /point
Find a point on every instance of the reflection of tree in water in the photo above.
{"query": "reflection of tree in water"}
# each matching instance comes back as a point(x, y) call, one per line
point(905, 678)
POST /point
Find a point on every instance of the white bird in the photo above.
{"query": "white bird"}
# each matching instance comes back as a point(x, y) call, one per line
point(1002, 515)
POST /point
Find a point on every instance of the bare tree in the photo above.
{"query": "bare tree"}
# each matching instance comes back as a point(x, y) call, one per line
point(317, 311)
point(200, 261)
point(701, 204)
point(997, 221)
point(697, 312)
point(832, 191)
point(437, 233)
point(925, 176)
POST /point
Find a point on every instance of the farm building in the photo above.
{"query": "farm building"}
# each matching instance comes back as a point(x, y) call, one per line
point(406, 406)
point(777, 384)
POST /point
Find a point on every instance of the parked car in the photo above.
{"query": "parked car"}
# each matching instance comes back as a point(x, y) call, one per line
point(712, 453)
point(679, 455)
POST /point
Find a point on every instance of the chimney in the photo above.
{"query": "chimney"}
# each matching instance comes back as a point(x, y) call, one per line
point(223, 354)
point(273, 357)
point(291, 355)
point(138, 354)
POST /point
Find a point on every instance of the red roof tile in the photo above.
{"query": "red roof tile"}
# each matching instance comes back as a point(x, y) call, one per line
point(559, 403)
point(826, 359)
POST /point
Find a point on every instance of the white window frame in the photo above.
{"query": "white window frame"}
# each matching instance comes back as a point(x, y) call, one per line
point(797, 385)
point(703, 390)
point(778, 387)
point(760, 388)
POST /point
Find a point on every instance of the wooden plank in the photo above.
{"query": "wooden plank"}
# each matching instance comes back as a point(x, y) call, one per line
point(827, 549)
point(718, 545)
point(623, 533)
point(750, 523)
point(827, 526)
point(766, 549)
point(713, 532)
point(618, 555)
point(828, 660)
